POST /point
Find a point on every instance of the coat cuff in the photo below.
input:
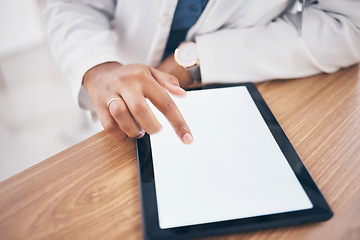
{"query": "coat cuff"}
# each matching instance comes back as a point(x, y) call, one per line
point(77, 73)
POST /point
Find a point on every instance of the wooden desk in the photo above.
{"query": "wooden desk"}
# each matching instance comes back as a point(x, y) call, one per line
point(90, 191)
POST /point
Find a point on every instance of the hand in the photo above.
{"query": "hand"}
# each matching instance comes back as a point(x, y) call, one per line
point(170, 66)
point(131, 115)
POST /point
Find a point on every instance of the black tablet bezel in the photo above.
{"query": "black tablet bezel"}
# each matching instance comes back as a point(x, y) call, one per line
point(320, 211)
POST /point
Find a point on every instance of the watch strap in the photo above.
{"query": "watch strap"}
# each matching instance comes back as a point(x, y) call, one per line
point(194, 72)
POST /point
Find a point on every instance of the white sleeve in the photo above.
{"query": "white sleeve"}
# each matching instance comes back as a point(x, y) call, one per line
point(80, 37)
point(330, 40)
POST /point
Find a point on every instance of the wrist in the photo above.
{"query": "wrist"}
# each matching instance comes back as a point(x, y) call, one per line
point(170, 66)
point(186, 56)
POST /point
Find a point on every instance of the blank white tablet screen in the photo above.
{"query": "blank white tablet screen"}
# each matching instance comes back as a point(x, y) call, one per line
point(234, 168)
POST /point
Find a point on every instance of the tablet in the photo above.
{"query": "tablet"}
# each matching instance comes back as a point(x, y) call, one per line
point(240, 174)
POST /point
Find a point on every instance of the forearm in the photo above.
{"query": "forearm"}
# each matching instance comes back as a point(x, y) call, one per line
point(80, 36)
point(275, 50)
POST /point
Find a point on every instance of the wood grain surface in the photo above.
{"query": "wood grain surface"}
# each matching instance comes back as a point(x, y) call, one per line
point(90, 190)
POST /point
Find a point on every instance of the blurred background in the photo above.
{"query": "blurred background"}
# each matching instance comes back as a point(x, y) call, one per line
point(38, 115)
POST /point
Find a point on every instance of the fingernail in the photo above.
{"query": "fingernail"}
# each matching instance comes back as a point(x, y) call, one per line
point(187, 138)
point(141, 134)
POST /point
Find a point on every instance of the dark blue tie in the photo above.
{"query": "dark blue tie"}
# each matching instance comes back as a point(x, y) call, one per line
point(186, 14)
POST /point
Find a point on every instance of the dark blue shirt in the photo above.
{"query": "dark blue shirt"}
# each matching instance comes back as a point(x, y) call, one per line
point(186, 14)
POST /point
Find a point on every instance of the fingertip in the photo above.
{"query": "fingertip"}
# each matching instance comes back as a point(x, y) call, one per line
point(141, 134)
point(160, 129)
point(182, 92)
point(156, 131)
point(187, 138)
point(176, 90)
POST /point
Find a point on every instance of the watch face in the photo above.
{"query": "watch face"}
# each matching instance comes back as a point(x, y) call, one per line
point(186, 55)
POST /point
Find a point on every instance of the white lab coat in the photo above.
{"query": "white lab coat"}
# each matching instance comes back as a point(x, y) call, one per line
point(237, 40)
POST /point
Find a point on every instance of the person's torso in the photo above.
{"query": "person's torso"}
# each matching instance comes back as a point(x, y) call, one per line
point(143, 27)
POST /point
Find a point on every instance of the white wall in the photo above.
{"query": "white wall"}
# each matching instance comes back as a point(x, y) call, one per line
point(20, 26)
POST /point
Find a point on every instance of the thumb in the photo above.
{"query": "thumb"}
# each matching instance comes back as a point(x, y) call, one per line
point(169, 82)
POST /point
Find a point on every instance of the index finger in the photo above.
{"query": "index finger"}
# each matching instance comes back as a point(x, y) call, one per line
point(166, 105)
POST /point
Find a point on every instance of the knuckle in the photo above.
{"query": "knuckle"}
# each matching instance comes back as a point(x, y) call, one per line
point(139, 106)
point(118, 109)
point(141, 73)
point(109, 125)
point(172, 79)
